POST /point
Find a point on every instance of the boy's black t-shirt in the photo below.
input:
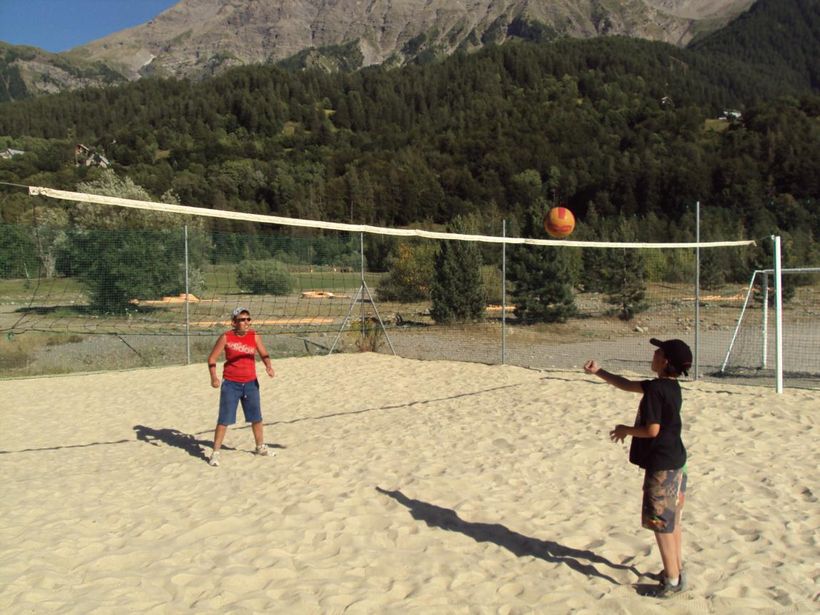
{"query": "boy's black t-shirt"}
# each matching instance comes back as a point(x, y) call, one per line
point(661, 403)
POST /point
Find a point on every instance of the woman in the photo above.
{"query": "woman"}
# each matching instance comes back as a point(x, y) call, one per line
point(239, 381)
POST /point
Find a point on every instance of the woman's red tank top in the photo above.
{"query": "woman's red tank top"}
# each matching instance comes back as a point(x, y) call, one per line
point(240, 357)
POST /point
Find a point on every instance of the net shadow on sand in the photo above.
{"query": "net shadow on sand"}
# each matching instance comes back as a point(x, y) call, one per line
point(57, 448)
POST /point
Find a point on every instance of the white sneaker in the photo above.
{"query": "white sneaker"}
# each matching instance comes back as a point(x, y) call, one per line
point(214, 460)
point(263, 450)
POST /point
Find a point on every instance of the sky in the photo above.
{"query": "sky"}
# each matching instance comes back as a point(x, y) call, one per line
point(59, 25)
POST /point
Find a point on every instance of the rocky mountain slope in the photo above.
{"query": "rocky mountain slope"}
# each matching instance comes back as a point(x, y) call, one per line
point(198, 38)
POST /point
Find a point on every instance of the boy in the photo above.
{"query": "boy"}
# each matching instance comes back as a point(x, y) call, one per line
point(657, 448)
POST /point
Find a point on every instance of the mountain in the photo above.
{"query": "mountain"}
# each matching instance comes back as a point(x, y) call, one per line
point(199, 38)
point(28, 70)
point(775, 38)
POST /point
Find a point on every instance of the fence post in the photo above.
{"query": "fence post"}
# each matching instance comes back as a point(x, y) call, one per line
point(504, 294)
point(765, 321)
point(187, 305)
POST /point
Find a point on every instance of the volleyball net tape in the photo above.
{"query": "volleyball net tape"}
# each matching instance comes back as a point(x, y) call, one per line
point(357, 228)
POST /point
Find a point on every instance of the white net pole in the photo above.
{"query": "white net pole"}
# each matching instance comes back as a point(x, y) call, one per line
point(697, 291)
point(778, 316)
point(187, 303)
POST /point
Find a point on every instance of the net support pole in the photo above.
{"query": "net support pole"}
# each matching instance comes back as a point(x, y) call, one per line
point(359, 296)
point(778, 316)
point(504, 294)
point(697, 291)
point(187, 305)
point(362, 282)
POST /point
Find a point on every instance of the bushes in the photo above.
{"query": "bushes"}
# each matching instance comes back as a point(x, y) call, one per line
point(119, 266)
point(410, 275)
point(264, 277)
point(18, 254)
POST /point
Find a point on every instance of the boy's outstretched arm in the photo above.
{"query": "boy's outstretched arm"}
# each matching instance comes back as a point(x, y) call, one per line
point(625, 384)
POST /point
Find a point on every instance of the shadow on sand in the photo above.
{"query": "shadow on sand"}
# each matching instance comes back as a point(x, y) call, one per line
point(177, 439)
point(187, 442)
point(579, 560)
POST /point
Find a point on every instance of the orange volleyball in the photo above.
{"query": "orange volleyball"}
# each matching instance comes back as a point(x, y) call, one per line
point(559, 222)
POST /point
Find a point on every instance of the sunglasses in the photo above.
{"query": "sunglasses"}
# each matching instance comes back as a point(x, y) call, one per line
point(243, 319)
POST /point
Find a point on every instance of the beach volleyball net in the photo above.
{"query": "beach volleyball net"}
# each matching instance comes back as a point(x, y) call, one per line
point(156, 284)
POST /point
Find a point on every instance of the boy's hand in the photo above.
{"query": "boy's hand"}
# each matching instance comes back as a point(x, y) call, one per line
point(215, 382)
point(269, 370)
point(618, 434)
point(591, 367)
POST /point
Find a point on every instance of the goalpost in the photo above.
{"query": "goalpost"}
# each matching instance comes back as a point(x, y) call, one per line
point(751, 344)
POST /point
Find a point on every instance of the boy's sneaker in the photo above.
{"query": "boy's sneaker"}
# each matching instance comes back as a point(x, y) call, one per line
point(665, 590)
point(660, 576)
point(263, 450)
point(214, 460)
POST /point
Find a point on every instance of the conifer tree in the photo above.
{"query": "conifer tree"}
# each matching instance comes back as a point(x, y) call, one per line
point(457, 291)
point(624, 274)
point(593, 259)
point(542, 285)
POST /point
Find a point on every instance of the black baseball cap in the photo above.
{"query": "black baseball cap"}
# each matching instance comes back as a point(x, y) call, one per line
point(677, 352)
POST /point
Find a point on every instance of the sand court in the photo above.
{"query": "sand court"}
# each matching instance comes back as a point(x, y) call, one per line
point(399, 486)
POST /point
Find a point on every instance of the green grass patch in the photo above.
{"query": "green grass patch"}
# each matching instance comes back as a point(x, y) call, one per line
point(55, 288)
point(221, 279)
point(716, 125)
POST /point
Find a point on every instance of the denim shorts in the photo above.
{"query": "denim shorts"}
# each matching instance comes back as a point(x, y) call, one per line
point(231, 393)
point(663, 495)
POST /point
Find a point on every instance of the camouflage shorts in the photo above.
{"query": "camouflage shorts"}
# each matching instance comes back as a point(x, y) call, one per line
point(663, 495)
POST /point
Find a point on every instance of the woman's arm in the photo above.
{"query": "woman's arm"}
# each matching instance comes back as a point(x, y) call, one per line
point(263, 353)
point(219, 346)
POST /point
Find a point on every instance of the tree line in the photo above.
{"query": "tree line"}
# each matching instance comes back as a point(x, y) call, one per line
point(628, 134)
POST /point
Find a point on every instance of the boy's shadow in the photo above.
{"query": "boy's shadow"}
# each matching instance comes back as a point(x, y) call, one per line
point(520, 545)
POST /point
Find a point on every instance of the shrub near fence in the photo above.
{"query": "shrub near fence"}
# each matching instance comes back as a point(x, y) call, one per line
point(262, 277)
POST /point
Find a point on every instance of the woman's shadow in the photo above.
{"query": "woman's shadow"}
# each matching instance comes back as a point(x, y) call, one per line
point(520, 545)
point(187, 442)
point(172, 437)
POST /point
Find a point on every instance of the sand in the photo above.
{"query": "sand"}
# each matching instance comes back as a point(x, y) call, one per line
point(400, 486)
